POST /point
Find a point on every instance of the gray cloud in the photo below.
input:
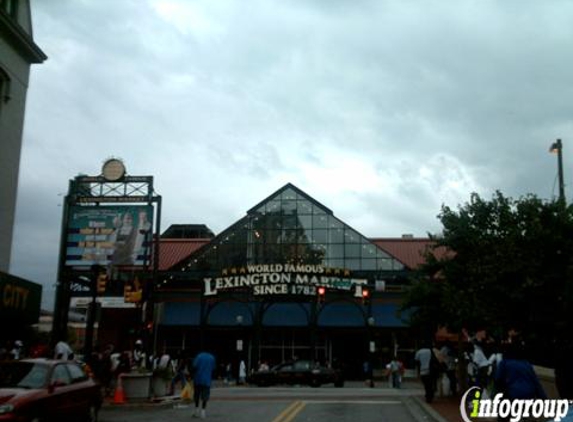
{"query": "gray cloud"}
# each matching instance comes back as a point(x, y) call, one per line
point(381, 110)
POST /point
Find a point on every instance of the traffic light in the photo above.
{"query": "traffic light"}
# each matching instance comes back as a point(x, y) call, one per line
point(101, 283)
point(365, 297)
point(321, 293)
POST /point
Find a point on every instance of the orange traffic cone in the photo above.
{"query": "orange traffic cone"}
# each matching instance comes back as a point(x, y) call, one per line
point(119, 396)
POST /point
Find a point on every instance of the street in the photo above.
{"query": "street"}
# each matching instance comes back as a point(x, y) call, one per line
point(245, 404)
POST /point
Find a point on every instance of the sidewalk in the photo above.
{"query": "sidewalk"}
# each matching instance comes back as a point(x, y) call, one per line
point(447, 407)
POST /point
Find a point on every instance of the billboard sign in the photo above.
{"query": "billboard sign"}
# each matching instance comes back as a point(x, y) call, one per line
point(109, 235)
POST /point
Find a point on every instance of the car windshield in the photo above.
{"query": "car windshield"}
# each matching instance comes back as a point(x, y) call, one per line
point(22, 375)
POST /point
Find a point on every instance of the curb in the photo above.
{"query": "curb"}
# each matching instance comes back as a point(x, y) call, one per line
point(159, 401)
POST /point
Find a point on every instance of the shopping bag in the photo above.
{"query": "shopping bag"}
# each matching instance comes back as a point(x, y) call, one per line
point(187, 392)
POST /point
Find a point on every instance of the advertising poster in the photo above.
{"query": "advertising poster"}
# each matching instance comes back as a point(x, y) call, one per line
point(109, 235)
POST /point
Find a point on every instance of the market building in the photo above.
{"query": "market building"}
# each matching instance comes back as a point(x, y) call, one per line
point(288, 280)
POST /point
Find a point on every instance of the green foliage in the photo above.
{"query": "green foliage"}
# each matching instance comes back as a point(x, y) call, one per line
point(509, 266)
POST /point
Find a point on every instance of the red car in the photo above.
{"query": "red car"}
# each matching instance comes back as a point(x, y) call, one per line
point(33, 390)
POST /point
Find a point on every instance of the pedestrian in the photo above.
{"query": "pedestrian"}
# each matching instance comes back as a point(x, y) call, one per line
point(368, 373)
point(203, 367)
point(123, 365)
point(16, 351)
point(228, 373)
point(481, 365)
point(242, 372)
point(180, 369)
point(138, 355)
point(515, 376)
point(428, 368)
point(63, 351)
point(450, 365)
point(395, 371)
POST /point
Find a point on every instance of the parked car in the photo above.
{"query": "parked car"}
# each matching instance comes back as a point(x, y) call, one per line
point(301, 372)
point(34, 390)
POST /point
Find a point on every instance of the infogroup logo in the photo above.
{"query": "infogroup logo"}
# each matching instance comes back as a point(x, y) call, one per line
point(516, 410)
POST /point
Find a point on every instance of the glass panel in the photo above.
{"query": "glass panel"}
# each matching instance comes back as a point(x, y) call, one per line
point(289, 207)
point(384, 264)
point(352, 264)
point(334, 223)
point(318, 210)
point(304, 207)
point(273, 236)
point(288, 236)
point(290, 222)
point(350, 236)
point(352, 251)
point(273, 206)
point(336, 250)
point(368, 264)
point(336, 235)
point(319, 222)
point(271, 222)
point(381, 254)
point(368, 251)
point(305, 221)
point(289, 194)
point(336, 263)
point(319, 236)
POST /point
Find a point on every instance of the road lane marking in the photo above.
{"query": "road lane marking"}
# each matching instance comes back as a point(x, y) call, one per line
point(353, 401)
point(290, 412)
point(295, 412)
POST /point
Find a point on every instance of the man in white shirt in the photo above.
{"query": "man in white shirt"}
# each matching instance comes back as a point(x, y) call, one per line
point(424, 358)
point(481, 364)
point(63, 351)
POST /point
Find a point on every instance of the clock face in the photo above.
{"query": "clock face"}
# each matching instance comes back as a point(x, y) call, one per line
point(113, 169)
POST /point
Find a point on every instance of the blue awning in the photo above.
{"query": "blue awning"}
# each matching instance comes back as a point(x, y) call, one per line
point(181, 313)
point(388, 315)
point(340, 314)
point(287, 315)
point(230, 313)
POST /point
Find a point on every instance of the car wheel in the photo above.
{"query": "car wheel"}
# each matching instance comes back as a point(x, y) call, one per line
point(92, 413)
point(339, 384)
point(314, 383)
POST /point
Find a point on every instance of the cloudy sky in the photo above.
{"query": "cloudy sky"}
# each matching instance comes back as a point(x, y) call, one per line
point(381, 110)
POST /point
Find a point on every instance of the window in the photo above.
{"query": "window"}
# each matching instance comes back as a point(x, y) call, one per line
point(61, 375)
point(76, 373)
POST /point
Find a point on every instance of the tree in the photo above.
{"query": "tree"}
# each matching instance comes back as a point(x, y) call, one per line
point(508, 266)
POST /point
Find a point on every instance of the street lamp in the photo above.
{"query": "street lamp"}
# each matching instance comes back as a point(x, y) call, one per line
point(557, 148)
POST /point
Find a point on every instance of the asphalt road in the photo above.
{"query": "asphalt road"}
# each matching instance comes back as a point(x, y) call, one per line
point(296, 404)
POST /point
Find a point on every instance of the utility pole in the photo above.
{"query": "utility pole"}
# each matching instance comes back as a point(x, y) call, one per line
point(557, 147)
